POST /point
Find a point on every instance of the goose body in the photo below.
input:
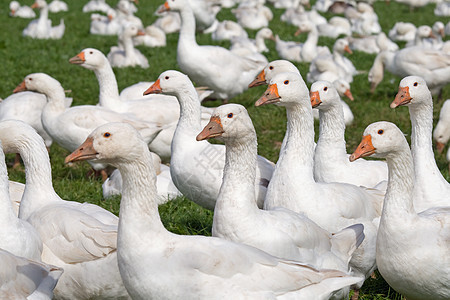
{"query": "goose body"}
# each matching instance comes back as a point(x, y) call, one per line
point(203, 63)
point(96, 5)
point(403, 31)
point(441, 133)
point(430, 187)
point(253, 16)
point(57, 5)
point(42, 28)
point(372, 44)
point(279, 232)
point(197, 167)
point(310, 49)
point(332, 206)
point(227, 30)
point(168, 21)
point(21, 11)
point(331, 162)
point(153, 37)
point(335, 27)
point(105, 25)
point(410, 245)
point(288, 50)
point(68, 229)
point(216, 268)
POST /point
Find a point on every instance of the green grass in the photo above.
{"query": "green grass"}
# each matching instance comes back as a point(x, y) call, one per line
point(20, 56)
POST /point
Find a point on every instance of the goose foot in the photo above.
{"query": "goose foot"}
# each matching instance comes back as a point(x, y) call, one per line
point(16, 161)
point(373, 275)
point(94, 173)
point(355, 294)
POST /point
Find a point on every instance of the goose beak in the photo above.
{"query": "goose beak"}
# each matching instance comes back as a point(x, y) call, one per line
point(365, 148)
point(270, 96)
point(402, 97)
point(259, 80)
point(154, 89)
point(34, 5)
point(442, 32)
point(13, 12)
point(432, 35)
point(140, 33)
point(298, 32)
point(164, 8)
point(212, 129)
point(440, 147)
point(110, 17)
point(315, 99)
point(348, 50)
point(85, 152)
point(78, 59)
point(20, 88)
point(349, 94)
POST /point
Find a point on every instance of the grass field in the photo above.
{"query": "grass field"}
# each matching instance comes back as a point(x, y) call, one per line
point(20, 56)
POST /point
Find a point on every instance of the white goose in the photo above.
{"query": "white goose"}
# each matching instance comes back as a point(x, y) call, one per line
point(105, 25)
point(372, 44)
point(403, 31)
point(203, 63)
point(332, 206)
point(256, 45)
point(227, 30)
point(67, 126)
point(432, 65)
point(310, 49)
point(96, 5)
point(253, 16)
point(430, 188)
point(216, 268)
point(168, 21)
point(335, 27)
point(79, 237)
point(153, 37)
point(57, 5)
point(42, 27)
point(279, 232)
point(403, 233)
point(330, 157)
point(21, 11)
point(288, 50)
point(441, 133)
point(423, 33)
point(125, 55)
point(21, 278)
point(16, 235)
point(197, 167)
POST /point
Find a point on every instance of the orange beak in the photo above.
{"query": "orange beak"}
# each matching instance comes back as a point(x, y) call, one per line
point(140, 33)
point(259, 80)
point(365, 148)
point(78, 59)
point(20, 88)
point(270, 96)
point(315, 99)
point(213, 129)
point(110, 17)
point(34, 5)
point(440, 147)
point(154, 89)
point(164, 8)
point(85, 152)
point(298, 32)
point(402, 98)
point(349, 94)
point(348, 50)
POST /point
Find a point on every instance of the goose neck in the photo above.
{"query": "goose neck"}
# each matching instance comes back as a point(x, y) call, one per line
point(56, 97)
point(332, 127)
point(43, 14)
point(187, 30)
point(129, 47)
point(260, 43)
point(7, 214)
point(190, 110)
point(109, 92)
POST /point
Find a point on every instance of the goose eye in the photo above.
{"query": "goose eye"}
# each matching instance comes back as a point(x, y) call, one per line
point(381, 131)
point(92, 52)
point(166, 78)
point(325, 89)
point(230, 115)
point(415, 83)
point(286, 82)
point(30, 79)
point(106, 134)
point(271, 68)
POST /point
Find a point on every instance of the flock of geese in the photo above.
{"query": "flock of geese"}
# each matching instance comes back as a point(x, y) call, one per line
point(312, 226)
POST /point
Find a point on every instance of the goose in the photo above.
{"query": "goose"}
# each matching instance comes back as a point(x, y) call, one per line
point(288, 50)
point(256, 45)
point(414, 3)
point(335, 27)
point(205, 14)
point(423, 32)
point(168, 21)
point(21, 278)
point(430, 188)
point(333, 66)
point(105, 25)
point(310, 49)
point(21, 11)
point(216, 268)
point(432, 65)
point(372, 44)
point(125, 10)
point(403, 233)
point(42, 28)
point(81, 238)
point(441, 133)
point(67, 126)
point(330, 157)
point(367, 20)
point(16, 235)
point(332, 206)
point(96, 5)
point(279, 66)
point(57, 5)
point(297, 15)
point(125, 55)
point(197, 167)
point(402, 31)
point(253, 16)
point(442, 9)
point(203, 63)
point(153, 37)
point(279, 232)
point(439, 33)
point(227, 30)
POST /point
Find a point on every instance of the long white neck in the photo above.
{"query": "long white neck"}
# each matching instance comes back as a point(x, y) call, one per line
point(7, 215)
point(237, 192)
point(190, 111)
point(309, 49)
point(260, 43)
point(387, 60)
point(298, 153)
point(127, 42)
point(332, 130)
point(398, 201)
point(38, 174)
point(43, 15)
point(187, 30)
point(109, 92)
point(138, 206)
point(55, 97)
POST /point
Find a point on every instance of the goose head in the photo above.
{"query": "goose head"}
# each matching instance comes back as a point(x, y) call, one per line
point(265, 33)
point(170, 82)
point(439, 28)
point(229, 122)
point(39, 4)
point(425, 31)
point(173, 5)
point(38, 82)
point(412, 90)
point(13, 7)
point(286, 89)
point(343, 88)
point(323, 95)
point(304, 26)
point(341, 46)
point(380, 139)
point(111, 143)
point(130, 30)
point(89, 58)
point(17, 134)
point(273, 68)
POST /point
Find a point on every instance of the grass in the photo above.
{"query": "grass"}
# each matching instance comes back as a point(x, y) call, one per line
point(20, 56)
